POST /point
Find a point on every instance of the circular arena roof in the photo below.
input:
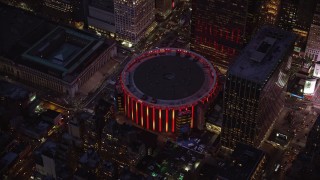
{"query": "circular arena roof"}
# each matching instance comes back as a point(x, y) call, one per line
point(170, 77)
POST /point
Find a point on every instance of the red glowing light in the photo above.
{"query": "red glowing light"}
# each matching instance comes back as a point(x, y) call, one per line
point(147, 117)
point(173, 119)
point(167, 114)
point(128, 106)
point(160, 121)
point(192, 116)
point(154, 118)
point(137, 112)
point(132, 110)
point(141, 107)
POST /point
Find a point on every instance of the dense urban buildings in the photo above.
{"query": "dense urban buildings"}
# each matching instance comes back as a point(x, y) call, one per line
point(63, 10)
point(128, 89)
point(269, 12)
point(101, 18)
point(296, 15)
point(313, 43)
point(133, 19)
point(47, 55)
point(252, 93)
point(164, 7)
point(166, 90)
point(219, 29)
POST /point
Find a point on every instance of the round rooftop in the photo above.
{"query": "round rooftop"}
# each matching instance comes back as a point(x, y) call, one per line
point(169, 76)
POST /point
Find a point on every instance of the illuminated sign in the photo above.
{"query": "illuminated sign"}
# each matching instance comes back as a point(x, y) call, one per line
point(297, 49)
point(310, 86)
point(282, 79)
point(316, 72)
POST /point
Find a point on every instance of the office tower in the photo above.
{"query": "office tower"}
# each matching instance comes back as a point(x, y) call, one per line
point(164, 7)
point(103, 113)
point(58, 10)
point(296, 15)
point(269, 12)
point(66, 11)
point(218, 28)
point(133, 19)
point(101, 17)
point(313, 44)
point(252, 94)
point(288, 14)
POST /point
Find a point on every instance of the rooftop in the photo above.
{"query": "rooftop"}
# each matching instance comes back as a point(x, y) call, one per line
point(33, 42)
point(169, 76)
point(50, 114)
point(242, 164)
point(13, 91)
point(262, 55)
point(106, 5)
point(246, 160)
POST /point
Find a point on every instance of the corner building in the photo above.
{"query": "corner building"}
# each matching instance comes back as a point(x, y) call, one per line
point(133, 19)
point(313, 44)
point(252, 94)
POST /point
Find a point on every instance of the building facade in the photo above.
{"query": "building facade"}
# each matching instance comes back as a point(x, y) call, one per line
point(269, 12)
point(296, 15)
point(219, 29)
point(48, 56)
point(313, 44)
point(101, 18)
point(58, 9)
point(133, 19)
point(164, 90)
point(164, 7)
point(252, 94)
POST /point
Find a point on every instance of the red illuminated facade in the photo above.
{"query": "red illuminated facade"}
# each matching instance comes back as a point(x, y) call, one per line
point(219, 28)
point(175, 115)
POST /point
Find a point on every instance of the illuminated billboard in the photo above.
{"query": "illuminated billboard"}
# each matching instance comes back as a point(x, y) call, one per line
point(282, 79)
point(316, 72)
point(310, 86)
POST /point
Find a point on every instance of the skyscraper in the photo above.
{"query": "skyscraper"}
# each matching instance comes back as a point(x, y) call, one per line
point(252, 94)
point(133, 18)
point(313, 44)
point(101, 17)
point(296, 15)
point(269, 12)
point(58, 10)
point(219, 28)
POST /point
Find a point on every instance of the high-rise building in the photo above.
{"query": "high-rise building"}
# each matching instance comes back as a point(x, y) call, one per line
point(58, 10)
point(101, 17)
point(164, 7)
point(252, 93)
point(133, 19)
point(288, 14)
point(296, 15)
point(313, 44)
point(219, 28)
point(269, 12)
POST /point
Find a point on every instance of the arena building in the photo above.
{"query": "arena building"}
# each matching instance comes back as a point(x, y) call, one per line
point(167, 90)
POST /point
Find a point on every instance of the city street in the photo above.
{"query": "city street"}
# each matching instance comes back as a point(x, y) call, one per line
point(295, 120)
